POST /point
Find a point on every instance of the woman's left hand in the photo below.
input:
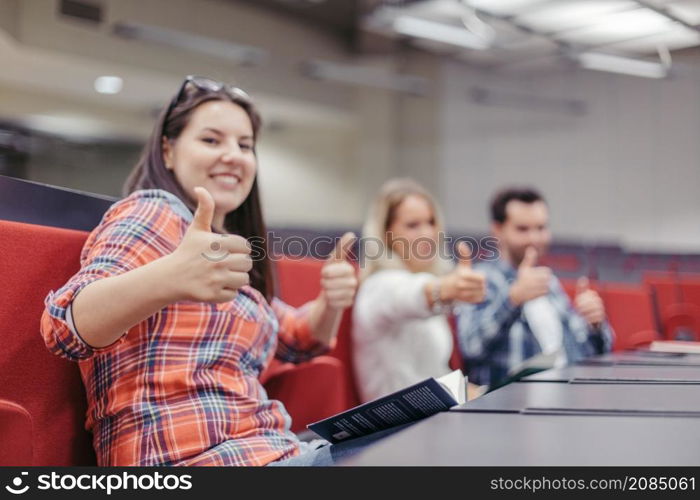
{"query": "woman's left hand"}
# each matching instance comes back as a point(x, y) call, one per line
point(338, 276)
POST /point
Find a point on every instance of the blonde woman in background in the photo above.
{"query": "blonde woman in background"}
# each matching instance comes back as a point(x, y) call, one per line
point(400, 331)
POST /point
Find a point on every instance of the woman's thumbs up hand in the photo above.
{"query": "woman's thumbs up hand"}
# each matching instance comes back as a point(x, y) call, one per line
point(208, 267)
point(338, 280)
point(463, 284)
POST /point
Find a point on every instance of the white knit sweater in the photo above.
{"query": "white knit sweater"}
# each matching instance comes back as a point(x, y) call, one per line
point(397, 340)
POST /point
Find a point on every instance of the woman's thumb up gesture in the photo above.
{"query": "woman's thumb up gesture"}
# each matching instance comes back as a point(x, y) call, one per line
point(338, 280)
point(209, 267)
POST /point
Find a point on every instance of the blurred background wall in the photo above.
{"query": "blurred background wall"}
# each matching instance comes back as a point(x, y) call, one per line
point(349, 101)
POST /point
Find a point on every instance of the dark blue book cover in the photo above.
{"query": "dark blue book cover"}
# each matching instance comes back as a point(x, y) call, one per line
point(407, 405)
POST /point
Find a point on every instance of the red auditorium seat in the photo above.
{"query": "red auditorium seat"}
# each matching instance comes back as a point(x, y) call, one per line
point(561, 262)
point(629, 311)
point(681, 322)
point(690, 286)
point(17, 436)
point(677, 303)
point(37, 259)
point(299, 282)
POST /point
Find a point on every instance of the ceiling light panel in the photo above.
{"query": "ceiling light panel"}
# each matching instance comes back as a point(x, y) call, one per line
point(506, 7)
point(620, 27)
point(574, 14)
point(677, 38)
point(688, 10)
point(436, 8)
point(438, 32)
point(623, 65)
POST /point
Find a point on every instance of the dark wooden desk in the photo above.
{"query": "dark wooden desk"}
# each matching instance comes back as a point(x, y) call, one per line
point(457, 438)
point(557, 398)
point(644, 358)
point(619, 374)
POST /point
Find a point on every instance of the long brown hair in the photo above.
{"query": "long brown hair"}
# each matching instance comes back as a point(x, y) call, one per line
point(150, 173)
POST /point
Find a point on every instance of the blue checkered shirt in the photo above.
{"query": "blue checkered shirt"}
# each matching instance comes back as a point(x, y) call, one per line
point(494, 336)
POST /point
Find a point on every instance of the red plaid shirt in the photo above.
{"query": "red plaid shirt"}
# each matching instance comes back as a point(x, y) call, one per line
point(181, 387)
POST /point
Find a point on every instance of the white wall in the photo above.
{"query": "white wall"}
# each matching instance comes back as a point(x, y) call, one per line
point(628, 170)
point(325, 152)
point(306, 179)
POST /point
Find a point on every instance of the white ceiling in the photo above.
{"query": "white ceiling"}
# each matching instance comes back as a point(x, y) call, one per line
point(534, 28)
point(52, 89)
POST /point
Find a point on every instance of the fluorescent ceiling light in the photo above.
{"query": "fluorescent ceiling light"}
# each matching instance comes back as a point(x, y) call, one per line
point(619, 27)
point(624, 65)
point(108, 84)
point(503, 6)
point(239, 54)
point(573, 14)
point(438, 32)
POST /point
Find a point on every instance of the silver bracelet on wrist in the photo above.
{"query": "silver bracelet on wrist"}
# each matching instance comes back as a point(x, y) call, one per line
point(439, 306)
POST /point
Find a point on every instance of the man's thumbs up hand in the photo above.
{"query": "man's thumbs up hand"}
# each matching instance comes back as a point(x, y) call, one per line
point(529, 259)
point(588, 303)
point(464, 255)
point(532, 281)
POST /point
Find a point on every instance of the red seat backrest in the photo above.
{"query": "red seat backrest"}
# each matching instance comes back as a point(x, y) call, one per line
point(17, 436)
point(665, 291)
point(690, 288)
point(561, 262)
point(35, 260)
point(299, 281)
point(671, 291)
point(629, 311)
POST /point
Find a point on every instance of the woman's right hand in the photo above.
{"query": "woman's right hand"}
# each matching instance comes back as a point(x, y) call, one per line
point(463, 284)
point(208, 267)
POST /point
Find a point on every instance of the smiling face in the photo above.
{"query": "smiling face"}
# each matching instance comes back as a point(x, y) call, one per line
point(526, 225)
point(413, 233)
point(216, 151)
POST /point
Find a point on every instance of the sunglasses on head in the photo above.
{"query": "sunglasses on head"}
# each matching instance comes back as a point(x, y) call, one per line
point(206, 85)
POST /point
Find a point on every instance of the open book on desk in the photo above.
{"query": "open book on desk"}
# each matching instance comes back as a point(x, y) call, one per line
point(413, 403)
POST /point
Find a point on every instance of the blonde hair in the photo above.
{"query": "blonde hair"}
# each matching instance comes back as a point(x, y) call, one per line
point(382, 214)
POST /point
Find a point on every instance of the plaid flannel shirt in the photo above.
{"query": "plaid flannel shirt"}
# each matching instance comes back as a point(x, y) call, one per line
point(494, 336)
point(181, 387)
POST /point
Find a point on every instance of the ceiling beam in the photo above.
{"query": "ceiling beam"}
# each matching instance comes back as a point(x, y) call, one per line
point(664, 11)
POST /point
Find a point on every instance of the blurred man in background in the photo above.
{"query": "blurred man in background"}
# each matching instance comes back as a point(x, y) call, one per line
point(526, 311)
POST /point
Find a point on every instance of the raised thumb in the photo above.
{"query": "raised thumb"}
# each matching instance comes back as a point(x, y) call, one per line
point(204, 215)
point(582, 285)
point(342, 248)
point(464, 255)
point(529, 259)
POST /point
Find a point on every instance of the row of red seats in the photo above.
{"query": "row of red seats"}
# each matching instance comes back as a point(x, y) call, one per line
point(630, 310)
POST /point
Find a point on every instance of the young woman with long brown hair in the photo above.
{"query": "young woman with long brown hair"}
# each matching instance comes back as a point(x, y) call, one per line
point(172, 315)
